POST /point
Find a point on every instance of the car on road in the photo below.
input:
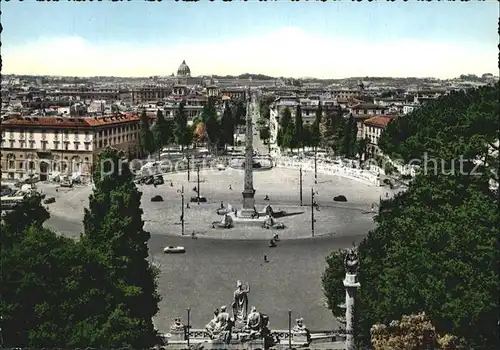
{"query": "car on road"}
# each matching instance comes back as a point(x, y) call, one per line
point(174, 250)
point(221, 166)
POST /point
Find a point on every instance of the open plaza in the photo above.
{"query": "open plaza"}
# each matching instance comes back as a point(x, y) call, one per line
point(204, 277)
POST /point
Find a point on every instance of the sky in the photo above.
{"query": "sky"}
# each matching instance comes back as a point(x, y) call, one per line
point(332, 39)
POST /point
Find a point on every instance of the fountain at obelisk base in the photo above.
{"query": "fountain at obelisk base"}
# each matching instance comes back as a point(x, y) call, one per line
point(237, 328)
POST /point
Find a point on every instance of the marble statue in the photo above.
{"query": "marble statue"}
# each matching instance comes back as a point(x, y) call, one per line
point(222, 320)
point(253, 321)
point(300, 330)
point(351, 261)
point(211, 326)
point(177, 325)
point(240, 302)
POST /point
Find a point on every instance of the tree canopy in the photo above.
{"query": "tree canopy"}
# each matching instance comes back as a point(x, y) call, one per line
point(145, 134)
point(162, 130)
point(435, 248)
point(181, 128)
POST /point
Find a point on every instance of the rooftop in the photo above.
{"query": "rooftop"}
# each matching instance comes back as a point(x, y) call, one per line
point(69, 122)
point(379, 121)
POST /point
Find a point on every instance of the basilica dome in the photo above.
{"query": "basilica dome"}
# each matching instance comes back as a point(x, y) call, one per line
point(184, 70)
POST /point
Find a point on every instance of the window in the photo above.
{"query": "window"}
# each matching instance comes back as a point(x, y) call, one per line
point(11, 144)
point(87, 146)
point(44, 146)
point(21, 165)
point(66, 146)
point(76, 146)
point(56, 145)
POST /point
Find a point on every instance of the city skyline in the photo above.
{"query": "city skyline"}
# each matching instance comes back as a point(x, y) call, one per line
point(321, 40)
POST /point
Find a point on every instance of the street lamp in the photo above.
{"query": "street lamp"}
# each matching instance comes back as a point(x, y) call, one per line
point(188, 166)
point(313, 204)
point(289, 329)
point(300, 185)
point(198, 188)
point(188, 325)
point(182, 209)
point(315, 166)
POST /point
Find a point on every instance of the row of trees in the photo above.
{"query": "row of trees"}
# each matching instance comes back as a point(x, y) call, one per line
point(211, 128)
point(330, 130)
point(99, 290)
point(435, 248)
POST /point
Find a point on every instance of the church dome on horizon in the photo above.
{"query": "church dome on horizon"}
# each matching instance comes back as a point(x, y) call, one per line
point(184, 70)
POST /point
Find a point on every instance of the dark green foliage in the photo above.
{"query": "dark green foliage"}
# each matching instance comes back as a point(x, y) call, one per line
point(265, 133)
point(286, 130)
point(162, 131)
point(239, 112)
point(114, 227)
point(298, 136)
point(29, 212)
point(435, 248)
point(146, 135)
point(228, 124)
point(329, 127)
point(314, 136)
point(361, 148)
point(264, 105)
point(347, 137)
point(181, 129)
point(332, 282)
point(209, 118)
point(462, 124)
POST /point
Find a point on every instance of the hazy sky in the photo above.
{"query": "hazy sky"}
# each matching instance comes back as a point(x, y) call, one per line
point(314, 39)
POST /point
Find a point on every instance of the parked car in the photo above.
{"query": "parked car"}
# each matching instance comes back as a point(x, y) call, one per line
point(49, 200)
point(158, 180)
point(174, 250)
point(66, 183)
point(221, 167)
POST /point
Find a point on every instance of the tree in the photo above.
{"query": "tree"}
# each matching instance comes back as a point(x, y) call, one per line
point(239, 112)
point(435, 250)
point(329, 126)
point(264, 106)
point(265, 134)
point(227, 126)
point(412, 332)
point(113, 226)
point(200, 132)
point(435, 247)
point(347, 137)
point(315, 133)
point(162, 131)
point(362, 148)
point(181, 129)
point(145, 134)
point(461, 125)
point(209, 118)
point(298, 137)
point(49, 280)
point(286, 129)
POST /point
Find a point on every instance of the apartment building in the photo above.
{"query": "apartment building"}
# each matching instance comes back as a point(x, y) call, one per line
point(365, 111)
point(373, 128)
point(41, 146)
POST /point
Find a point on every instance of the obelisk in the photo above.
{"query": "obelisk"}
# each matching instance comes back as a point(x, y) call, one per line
point(248, 192)
point(351, 285)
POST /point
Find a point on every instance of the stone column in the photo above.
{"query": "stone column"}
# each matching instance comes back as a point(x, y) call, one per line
point(351, 285)
point(249, 192)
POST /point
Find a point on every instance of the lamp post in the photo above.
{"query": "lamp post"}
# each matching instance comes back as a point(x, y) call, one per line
point(289, 329)
point(182, 209)
point(188, 325)
point(188, 166)
point(198, 188)
point(315, 166)
point(300, 185)
point(313, 204)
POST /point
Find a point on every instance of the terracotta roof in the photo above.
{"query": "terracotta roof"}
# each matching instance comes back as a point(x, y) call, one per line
point(69, 122)
point(379, 121)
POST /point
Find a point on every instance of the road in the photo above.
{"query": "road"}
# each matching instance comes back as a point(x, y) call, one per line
point(258, 145)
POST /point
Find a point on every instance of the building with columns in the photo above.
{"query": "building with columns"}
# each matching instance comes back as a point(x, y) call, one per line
point(42, 146)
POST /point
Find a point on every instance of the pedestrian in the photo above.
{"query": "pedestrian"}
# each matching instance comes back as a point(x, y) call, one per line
point(222, 204)
point(386, 194)
point(187, 206)
point(265, 258)
point(230, 187)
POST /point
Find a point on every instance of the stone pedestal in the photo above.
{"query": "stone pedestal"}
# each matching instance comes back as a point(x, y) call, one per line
point(351, 285)
point(248, 199)
point(299, 338)
point(176, 336)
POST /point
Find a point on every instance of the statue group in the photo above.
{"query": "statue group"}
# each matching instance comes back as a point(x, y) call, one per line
point(246, 325)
